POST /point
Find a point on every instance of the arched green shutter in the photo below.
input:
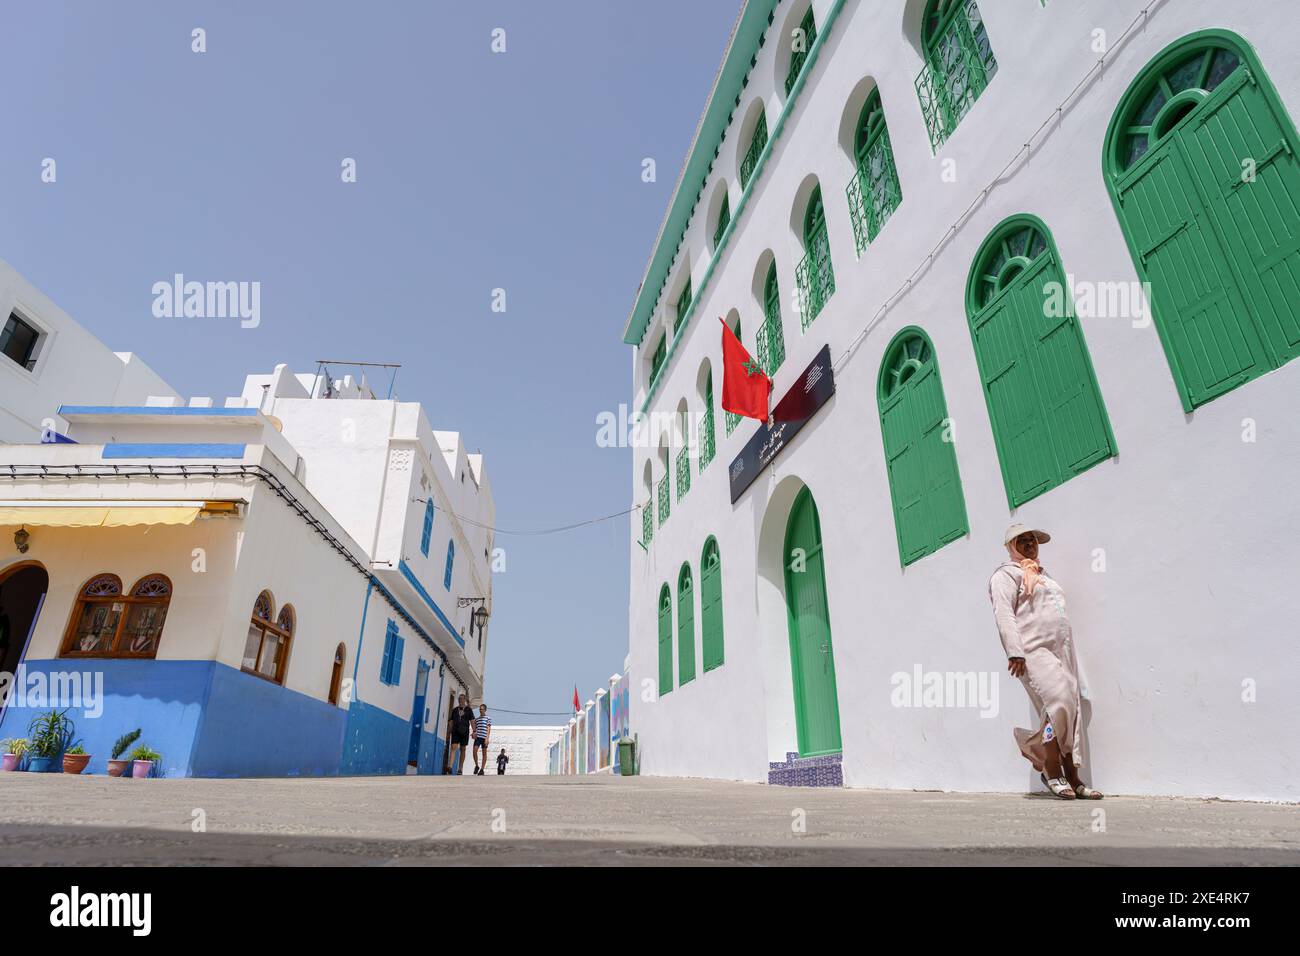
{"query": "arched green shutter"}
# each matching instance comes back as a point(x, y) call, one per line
point(685, 627)
point(665, 640)
point(814, 276)
point(711, 604)
point(770, 341)
point(1048, 418)
point(929, 508)
point(874, 191)
point(1203, 169)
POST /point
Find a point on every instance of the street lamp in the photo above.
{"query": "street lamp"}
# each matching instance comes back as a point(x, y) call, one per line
point(479, 617)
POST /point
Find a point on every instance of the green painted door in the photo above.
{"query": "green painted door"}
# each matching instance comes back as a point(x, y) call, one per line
point(711, 605)
point(685, 627)
point(1049, 422)
point(1209, 197)
point(812, 656)
point(665, 640)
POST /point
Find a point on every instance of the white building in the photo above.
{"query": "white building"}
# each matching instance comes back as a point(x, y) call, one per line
point(879, 192)
point(527, 747)
point(47, 359)
point(281, 584)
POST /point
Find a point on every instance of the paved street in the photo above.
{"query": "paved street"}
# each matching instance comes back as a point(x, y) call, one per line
point(399, 821)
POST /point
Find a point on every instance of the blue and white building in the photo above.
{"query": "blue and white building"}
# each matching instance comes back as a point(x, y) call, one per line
point(281, 583)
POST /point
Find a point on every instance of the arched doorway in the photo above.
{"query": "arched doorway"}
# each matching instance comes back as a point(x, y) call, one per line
point(22, 593)
point(812, 655)
point(1202, 161)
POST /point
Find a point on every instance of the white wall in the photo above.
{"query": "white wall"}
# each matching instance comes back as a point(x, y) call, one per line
point(72, 366)
point(525, 746)
point(1198, 527)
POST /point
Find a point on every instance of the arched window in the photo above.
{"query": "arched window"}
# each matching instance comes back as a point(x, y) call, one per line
point(708, 438)
point(929, 509)
point(732, 419)
point(266, 649)
point(874, 191)
point(1048, 418)
point(685, 626)
point(336, 673)
point(107, 623)
point(711, 604)
point(814, 277)
point(427, 531)
point(1202, 162)
point(724, 219)
point(959, 64)
point(658, 357)
point(770, 341)
point(683, 306)
point(451, 559)
point(804, 35)
point(665, 640)
point(756, 143)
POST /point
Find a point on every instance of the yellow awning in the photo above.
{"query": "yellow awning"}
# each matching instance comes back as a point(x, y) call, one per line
point(91, 516)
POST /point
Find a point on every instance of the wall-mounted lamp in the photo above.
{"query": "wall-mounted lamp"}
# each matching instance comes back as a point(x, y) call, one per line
point(21, 537)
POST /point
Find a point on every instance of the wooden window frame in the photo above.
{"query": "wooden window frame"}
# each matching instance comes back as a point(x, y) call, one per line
point(128, 600)
point(286, 636)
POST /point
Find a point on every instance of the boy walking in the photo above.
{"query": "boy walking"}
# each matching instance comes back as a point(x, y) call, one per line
point(502, 760)
point(482, 733)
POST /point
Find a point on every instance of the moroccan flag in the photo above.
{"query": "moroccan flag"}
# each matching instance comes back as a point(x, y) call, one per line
point(745, 386)
point(577, 705)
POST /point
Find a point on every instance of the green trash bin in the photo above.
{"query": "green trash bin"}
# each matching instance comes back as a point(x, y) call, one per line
point(627, 757)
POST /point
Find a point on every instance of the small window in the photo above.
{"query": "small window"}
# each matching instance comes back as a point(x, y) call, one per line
point(18, 342)
point(266, 648)
point(451, 560)
point(756, 144)
point(427, 531)
point(658, 357)
point(959, 64)
point(336, 673)
point(724, 220)
point(108, 623)
point(804, 35)
point(683, 306)
point(814, 276)
point(390, 668)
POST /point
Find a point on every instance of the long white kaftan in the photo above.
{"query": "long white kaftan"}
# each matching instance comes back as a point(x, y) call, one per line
point(1036, 627)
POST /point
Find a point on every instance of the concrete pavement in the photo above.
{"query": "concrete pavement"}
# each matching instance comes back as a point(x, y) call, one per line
point(603, 820)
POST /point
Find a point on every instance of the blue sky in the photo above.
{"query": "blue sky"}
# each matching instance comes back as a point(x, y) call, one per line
point(475, 171)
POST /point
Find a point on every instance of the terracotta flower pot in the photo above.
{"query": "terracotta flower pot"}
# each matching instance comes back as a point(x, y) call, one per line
point(9, 762)
point(118, 768)
point(141, 768)
point(75, 763)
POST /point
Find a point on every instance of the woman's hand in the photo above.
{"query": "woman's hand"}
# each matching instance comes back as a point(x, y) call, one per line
point(1016, 666)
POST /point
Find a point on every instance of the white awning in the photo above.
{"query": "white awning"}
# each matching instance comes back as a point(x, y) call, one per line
point(98, 513)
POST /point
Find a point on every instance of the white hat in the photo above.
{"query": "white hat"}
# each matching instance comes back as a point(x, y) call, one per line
point(1016, 530)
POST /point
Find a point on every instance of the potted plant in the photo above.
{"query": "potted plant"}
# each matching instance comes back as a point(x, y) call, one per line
point(75, 760)
point(13, 751)
point(117, 765)
point(143, 761)
point(49, 734)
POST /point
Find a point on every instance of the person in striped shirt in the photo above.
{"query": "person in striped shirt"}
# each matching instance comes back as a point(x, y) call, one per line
point(482, 733)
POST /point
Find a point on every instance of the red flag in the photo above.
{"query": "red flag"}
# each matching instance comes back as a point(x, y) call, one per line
point(745, 386)
point(577, 705)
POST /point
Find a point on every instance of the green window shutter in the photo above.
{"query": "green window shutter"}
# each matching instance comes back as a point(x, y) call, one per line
point(799, 55)
point(711, 604)
point(683, 306)
point(770, 341)
point(874, 191)
point(685, 627)
point(1219, 242)
point(756, 144)
point(1049, 421)
point(814, 276)
point(724, 219)
point(929, 508)
point(665, 640)
point(658, 356)
point(959, 64)
point(708, 440)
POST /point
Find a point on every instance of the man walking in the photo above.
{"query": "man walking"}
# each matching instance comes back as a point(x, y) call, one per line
point(482, 732)
point(458, 734)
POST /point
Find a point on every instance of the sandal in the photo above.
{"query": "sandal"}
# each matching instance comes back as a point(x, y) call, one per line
point(1059, 786)
point(1087, 793)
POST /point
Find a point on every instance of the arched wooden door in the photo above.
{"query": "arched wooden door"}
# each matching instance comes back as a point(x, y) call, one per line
point(812, 655)
point(1203, 165)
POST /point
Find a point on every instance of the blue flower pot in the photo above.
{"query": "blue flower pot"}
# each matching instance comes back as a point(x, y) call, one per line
point(44, 764)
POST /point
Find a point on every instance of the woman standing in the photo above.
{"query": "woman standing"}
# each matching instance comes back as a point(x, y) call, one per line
point(1029, 608)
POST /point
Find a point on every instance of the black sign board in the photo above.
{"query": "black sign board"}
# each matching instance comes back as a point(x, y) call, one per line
point(812, 390)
